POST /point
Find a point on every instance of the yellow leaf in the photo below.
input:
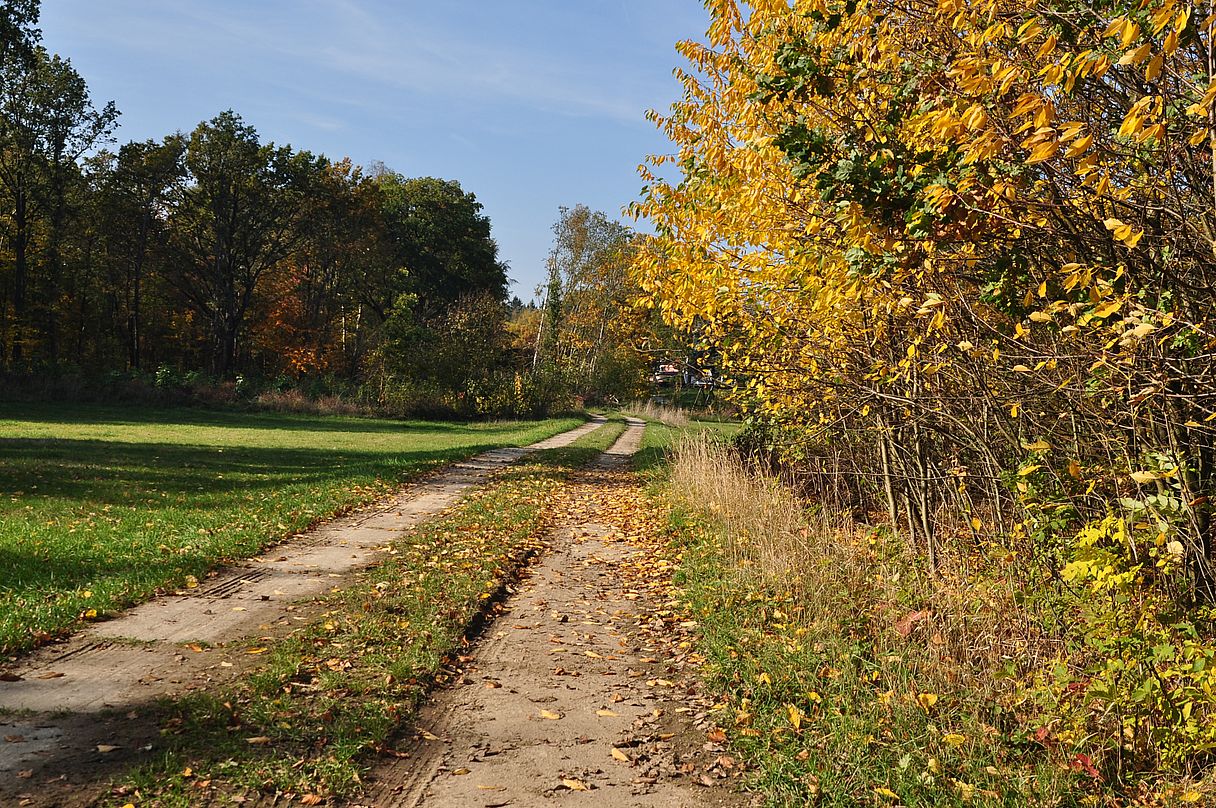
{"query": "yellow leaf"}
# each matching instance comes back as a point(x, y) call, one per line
point(605, 713)
point(1015, 410)
point(886, 792)
point(1079, 146)
point(549, 715)
point(1144, 476)
point(1029, 470)
point(574, 785)
point(1154, 67)
point(619, 755)
point(954, 739)
point(1108, 308)
point(927, 700)
point(976, 523)
point(1135, 57)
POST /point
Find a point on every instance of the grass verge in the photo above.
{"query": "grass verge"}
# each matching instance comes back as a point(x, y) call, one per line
point(102, 506)
point(307, 724)
point(839, 688)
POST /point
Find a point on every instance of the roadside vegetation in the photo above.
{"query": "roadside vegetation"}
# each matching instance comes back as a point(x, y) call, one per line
point(325, 701)
point(955, 259)
point(103, 506)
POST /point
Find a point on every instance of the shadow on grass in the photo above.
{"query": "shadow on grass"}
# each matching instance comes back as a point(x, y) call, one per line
point(107, 415)
point(97, 472)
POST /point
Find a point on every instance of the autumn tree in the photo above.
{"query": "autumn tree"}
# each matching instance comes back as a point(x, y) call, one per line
point(588, 328)
point(47, 122)
point(135, 189)
point(237, 219)
point(962, 253)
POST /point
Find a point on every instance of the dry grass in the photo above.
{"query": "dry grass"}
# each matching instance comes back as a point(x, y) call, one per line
point(671, 416)
point(965, 620)
point(295, 401)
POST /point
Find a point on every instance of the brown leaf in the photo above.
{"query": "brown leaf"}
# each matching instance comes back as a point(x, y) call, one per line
point(106, 748)
point(905, 625)
point(257, 740)
point(311, 799)
point(14, 738)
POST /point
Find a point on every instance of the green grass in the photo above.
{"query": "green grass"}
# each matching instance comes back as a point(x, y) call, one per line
point(101, 506)
point(839, 711)
point(332, 695)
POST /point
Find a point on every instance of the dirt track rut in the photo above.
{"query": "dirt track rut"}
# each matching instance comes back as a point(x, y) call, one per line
point(565, 699)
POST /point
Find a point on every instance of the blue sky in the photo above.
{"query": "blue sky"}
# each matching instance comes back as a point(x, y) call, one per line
point(530, 104)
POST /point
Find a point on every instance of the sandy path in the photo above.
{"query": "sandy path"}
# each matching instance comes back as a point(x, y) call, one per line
point(566, 700)
point(73, 695)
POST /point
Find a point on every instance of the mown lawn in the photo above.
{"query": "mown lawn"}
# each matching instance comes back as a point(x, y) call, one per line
point(100, 506)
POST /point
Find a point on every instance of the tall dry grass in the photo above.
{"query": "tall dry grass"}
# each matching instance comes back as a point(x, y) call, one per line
point(671, 416)
point(964, 623)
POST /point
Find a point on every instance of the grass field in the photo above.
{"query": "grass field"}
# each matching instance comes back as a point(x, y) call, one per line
point(101, 506)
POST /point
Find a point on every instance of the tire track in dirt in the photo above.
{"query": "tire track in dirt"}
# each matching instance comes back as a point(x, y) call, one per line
point(565, 699)
point(68, 702)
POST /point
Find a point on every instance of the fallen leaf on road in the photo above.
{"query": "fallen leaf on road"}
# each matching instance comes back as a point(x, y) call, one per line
point(14, 738)
point(460, 771)
point(311, 799)
point(550, 715)
point(258, 650)
point(50, 675)
point(575, 785)
point(619, 755)
point(105, 748)
point(428, 735)
point(605, 713)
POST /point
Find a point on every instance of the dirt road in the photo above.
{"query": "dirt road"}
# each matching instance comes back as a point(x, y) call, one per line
point(570, 699)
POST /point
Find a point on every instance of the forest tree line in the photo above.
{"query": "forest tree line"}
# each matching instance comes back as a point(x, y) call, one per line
point(211, 257)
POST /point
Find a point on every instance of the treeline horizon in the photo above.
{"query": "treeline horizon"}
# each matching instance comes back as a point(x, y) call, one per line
point(214, 255)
